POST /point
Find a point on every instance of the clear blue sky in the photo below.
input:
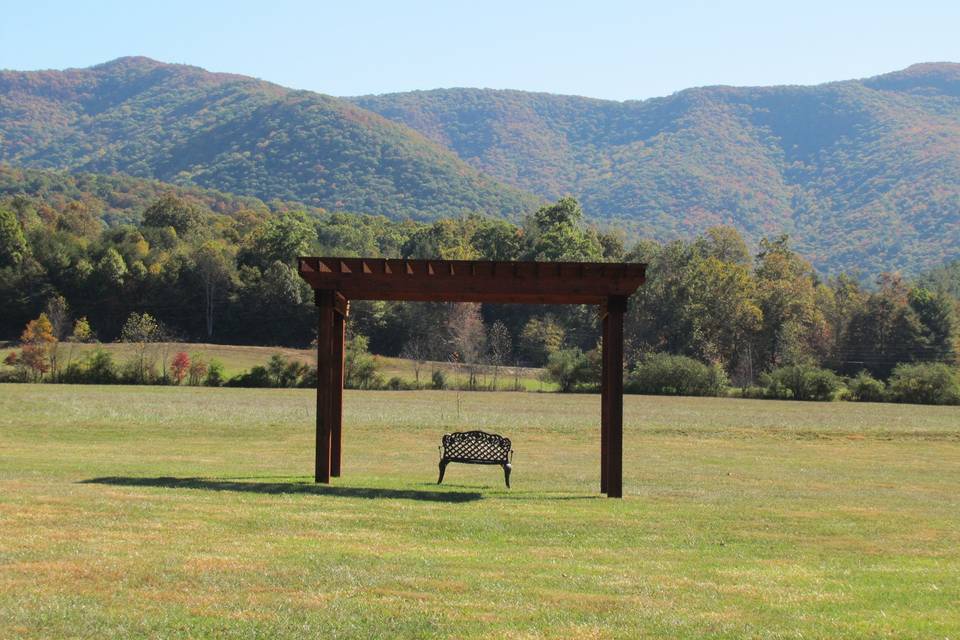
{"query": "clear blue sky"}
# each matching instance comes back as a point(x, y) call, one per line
point(605, 49)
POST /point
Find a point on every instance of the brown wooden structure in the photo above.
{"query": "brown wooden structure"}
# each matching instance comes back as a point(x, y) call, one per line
point(336, 281)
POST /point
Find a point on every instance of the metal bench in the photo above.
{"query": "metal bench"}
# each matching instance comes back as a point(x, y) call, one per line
point(476, 447)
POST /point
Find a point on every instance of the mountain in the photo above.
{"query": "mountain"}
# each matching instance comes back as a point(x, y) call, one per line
point(237, 134)
point(864, 174)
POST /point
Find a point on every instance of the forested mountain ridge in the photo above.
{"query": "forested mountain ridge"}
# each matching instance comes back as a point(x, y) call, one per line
point(185, 125)
point(864, 174)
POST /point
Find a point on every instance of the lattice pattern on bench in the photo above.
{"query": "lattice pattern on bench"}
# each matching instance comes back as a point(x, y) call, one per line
point(476, 447)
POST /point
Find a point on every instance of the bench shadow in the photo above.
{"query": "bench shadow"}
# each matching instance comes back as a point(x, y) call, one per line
point(502, 493)
point(306, 487)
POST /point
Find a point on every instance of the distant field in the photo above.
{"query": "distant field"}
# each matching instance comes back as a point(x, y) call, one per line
point(237, 359)
point(189, 512)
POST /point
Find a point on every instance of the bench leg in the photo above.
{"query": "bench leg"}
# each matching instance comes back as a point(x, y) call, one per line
point(506, 474)
point(443, 467)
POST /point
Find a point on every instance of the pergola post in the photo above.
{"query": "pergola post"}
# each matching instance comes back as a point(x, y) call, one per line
point(324, 299)
point(604, 402)
point(337, 359)
point(331, 330)
point(611, 397)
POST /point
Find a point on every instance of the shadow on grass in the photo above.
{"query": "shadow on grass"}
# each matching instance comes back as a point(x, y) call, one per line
point(501, 493)
point(233, 484)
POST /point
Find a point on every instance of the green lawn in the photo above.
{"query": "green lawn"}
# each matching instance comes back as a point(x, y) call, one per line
point(184, 513)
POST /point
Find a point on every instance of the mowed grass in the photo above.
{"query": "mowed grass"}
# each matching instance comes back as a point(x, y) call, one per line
point(186, 513)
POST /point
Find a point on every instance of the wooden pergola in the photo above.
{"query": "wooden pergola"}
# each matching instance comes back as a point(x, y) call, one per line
point(336, 281)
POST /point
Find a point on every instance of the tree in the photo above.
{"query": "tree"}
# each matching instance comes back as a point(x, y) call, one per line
point(180, 366)
point(500, 346)
point(467, 337)
point(497, 240)
point(198, 370)
point(792, 323)
point(82, 331)
point(13, 244)
point(568, 368)
point(38, 343)
point(111, 269)
point(936, 313)
point(417, 351)
point(214, 267)
point(141, 330)
point(446, 239)
point(359, 367)
point(539, 338)
point(556, 233)
point(281, 239)
point(171, 211)
point(885, 332)
point(58, 312)
point(721, 309)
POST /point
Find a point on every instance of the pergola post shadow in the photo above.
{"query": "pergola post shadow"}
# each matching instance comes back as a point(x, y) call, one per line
point(335, 281)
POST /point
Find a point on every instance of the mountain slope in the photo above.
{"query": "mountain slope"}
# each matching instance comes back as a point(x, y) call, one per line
point(864, 174)
point(185, 125)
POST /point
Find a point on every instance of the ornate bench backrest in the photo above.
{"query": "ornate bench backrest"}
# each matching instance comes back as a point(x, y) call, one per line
point(476, 445)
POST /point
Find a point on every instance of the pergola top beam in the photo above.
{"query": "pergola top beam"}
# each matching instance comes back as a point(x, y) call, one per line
point(473, 280)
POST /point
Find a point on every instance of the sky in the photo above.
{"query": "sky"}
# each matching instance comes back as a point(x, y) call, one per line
point(604, 49)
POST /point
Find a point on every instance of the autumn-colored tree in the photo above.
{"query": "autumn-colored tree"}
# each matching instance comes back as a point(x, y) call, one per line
point(180, 366)
point(539, 338)
point(38, 344)
point(82, 332)
point(198, 370)
point(467, 337)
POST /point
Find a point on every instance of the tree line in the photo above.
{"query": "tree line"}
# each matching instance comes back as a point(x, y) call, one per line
point(231, 278)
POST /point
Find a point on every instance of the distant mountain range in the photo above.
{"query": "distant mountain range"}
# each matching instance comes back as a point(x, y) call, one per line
point(236, 134)
point(864, 174)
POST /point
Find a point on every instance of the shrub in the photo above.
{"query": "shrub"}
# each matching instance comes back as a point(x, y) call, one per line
point(180, 366)
point(198, 370)
point(665, 374)
point(360, 368)
point(438, 380)
point(215, 376)
point(96, 368)
point(801, 382)
point(396, 383)
point(569, 368)
point(926, 383)
point(257, 377)
point(865, 388)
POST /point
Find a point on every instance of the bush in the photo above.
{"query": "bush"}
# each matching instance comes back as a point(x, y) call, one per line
point(215, 377)
point(569, 368)
point(360, 368)
point(665, 374)
point(801, 382)
point(925, 384)
point(96, 368)
point(257, 377)
point(396, 383)
point(438, 380)
point(865, 388)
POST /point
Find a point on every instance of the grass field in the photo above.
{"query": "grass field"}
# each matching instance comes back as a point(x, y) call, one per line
point(185, 513)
